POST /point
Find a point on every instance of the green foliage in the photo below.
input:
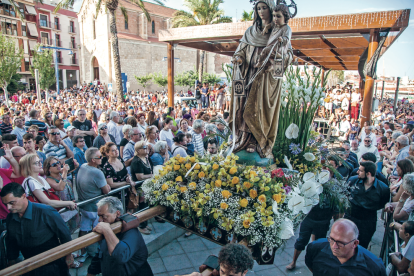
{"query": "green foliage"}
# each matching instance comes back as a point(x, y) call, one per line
point(144, 80)
point(211, 78)
point(202, 12)
point(10, 61)
point(228, 70)
point(186, 79)
point(15, 84)
point(43, 62)
point(247, 16)
point(160, 79)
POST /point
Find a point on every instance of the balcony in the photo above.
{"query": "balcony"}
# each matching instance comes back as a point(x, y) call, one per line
point(72, 45)
point(74, 61)
point(44, 24)
point(7, 12)
point(56, 26)
point(71, 29)
point(45, 40)
point(58, 43)
point(30, 17)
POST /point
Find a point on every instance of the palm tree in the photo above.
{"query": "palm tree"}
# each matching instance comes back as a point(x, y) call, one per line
point(247, 16)
point(202, 12)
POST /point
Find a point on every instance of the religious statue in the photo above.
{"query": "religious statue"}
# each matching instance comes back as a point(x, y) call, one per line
point(257, 83)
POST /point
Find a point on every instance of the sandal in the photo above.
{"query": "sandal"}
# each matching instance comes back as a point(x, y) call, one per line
point(76, 255)
point(76, 264)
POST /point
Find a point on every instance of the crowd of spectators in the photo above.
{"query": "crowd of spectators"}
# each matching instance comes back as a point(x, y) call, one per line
point(83, 144)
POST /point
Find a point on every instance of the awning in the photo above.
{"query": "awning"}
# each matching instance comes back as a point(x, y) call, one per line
point(32, 44)
point(25, 47)
point(5, 2)
point(32, 29)
point(31, 10)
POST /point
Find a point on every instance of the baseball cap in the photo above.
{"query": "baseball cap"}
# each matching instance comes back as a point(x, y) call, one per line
point(70, 128)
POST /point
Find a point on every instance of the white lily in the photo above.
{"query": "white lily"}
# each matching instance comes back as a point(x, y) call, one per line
point(275, 207)
point(286, 160)
point(309, 176)
point(286, 229)
point(292, 132)
point(324, 176)
point(310, 189)
point(309, 156)
point(296, 204)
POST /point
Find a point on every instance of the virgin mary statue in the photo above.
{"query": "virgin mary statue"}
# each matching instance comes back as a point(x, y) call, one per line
point(257, 113)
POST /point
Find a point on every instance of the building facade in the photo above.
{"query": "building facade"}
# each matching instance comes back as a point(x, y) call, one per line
point(60, 29)
point(140, 51)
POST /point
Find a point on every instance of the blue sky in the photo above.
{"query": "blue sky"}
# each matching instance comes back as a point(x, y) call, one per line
point(398, 61)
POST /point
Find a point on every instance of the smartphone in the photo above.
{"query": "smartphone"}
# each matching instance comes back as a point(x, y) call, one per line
point(2, 152)
point(70, 163)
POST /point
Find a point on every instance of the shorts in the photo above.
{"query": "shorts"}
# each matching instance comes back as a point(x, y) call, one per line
point(88, 220)
point(328, 106)
point(199, 101)
point(228, 98)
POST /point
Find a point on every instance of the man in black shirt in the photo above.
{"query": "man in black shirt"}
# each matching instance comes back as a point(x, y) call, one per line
point(369, 156)
point(368, 195)
point(84, 127)
point(32, 229)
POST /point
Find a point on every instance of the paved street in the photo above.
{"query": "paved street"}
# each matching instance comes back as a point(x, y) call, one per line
point(185, 255)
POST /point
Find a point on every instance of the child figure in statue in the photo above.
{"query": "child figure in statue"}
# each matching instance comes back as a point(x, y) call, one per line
point(281, 34)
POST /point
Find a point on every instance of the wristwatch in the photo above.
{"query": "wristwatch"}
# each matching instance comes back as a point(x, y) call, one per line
point(392, 225)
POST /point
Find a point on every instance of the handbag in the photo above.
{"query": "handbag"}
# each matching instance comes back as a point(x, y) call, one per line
point(51, 194)
point(133, 198)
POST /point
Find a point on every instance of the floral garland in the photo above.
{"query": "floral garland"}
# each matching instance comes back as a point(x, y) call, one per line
point(251, 202)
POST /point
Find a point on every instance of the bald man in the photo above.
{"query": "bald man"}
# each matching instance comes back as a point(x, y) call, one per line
point(340, 254)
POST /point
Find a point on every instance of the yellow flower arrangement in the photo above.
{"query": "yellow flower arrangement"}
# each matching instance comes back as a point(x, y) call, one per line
point(188, 166)
point(181, 160)
point(247, 185)
point(197, 167)
point(192, 159)
point(253, 174)
point(224, 205)
point(192, 186)
point(253, 193)
point(277, 197)
point(246, 223)
point(244, 202)
point(183, 189)
point(179, 179)
point(235, 180)
point(164, 187)
point(201, 174)
point(226, 194)
point(215, 166)
point(233, 170)
point(177, 167)
point(217, 183)
point(262, 198)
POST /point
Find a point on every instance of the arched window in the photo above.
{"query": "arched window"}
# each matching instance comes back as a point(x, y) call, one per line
point(153, 27)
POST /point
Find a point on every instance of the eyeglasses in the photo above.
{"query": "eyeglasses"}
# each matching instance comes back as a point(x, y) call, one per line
point(54, 133)
point(340, 244)
point(367, 141)
point(38, 163)
point(144, 147)
point(55, 164)
point(98, 157)
point(104, 127)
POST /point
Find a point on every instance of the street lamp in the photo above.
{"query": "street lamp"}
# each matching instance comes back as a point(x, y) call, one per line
point(40, 50)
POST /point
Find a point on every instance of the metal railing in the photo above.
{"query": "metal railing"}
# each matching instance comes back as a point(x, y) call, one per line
point(56, 26)
point(71, 29)
point(385, 248)
point(72, 45)
point(117, 190)
point(44, 23)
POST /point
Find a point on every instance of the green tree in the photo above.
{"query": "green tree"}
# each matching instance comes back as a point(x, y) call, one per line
point(202, 12)
point(111, 7)
point(336, 77)
point(247, 16)
point(144, 80)
point(211, 79)
point(186, 79)
point(228, 70)
point(15, 84)
point(43, 62)
point(10, 61)
point(160, 79)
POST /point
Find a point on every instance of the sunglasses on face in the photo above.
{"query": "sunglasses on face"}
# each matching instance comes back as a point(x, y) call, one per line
point(100, 157)
point(55, 164)
point(103, 128)
point(55, 133)
point(144, 147)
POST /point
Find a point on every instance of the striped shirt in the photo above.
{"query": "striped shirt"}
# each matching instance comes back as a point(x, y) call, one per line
point(197, 141)
point(58, 151)
point(5, 129)
point(42, 126)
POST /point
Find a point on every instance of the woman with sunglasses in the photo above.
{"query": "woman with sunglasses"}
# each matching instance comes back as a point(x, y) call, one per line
point(103, 137)
point(56, 175)
point(36, 187)
point(142, 169)
point(48, 119)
